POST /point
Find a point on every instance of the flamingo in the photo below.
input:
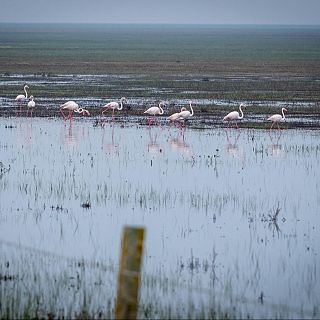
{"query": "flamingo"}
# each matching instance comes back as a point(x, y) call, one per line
point(173, 118)
point(185, 114)
point(153, 111)
point(21, 97)
point(114, 105)
point(31, 104)
point(276, 118)
point(71, 106)
point(234, 115)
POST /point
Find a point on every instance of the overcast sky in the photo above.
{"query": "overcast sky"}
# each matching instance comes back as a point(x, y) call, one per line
point(162, 11)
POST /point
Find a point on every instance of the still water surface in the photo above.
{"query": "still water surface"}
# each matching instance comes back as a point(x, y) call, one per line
point(232, 212)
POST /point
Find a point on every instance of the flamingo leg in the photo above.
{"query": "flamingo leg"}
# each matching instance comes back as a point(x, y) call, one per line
point(272, 125)
point(64, 117)
point(159, 123)
point(112, 115)
point(151, 120)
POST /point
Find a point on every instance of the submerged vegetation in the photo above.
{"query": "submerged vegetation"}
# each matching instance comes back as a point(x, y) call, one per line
point(224, 228)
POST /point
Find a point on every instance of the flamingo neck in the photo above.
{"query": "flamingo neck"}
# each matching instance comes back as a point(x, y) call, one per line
point(121, 103)
point(25, 90)
point(241, 117)
point(191, 109)
point(283, 117)
point(161, 110)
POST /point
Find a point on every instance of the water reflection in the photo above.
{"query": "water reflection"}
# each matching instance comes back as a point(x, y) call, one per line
point(70, 138)
point(153, 146)
point(275, 148)
point(108, 140)
point(25, 132)
point(232, 147)
point(189, 210)
point(178, 142)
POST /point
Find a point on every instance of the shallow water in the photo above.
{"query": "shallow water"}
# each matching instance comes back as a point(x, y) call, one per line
point(207, 198)
point(95, 90)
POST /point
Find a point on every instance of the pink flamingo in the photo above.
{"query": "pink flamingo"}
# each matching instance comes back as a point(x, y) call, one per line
point(234, 115)
point(21, 97)
point(31, 104)
point(276, 118)
point(114, 105)
point(71, 106)
point(153, 111)
point(174, 117)
point(184, 115)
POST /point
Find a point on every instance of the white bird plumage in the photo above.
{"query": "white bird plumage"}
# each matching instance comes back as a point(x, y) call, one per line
point(153, 111)
point(31, 104)
point(114, 105)
point(276, 118)
point(185, 114)
point(175, 116)
point(72, 106)
point(234, 115)
point(21, 97)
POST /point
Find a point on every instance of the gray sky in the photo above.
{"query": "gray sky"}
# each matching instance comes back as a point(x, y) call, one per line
point(162, 11)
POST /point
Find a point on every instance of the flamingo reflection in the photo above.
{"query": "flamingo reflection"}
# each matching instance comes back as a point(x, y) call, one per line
point(112, 146)
point(232, 147)
point(275, 148)
point(25, 132)
point(179, 143)
point(71, 139)
point(153, 146)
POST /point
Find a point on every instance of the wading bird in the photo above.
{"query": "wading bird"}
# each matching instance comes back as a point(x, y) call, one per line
point(185, 114)
point(114, 105)
point(234, 115)
point(31, 104)
point(21, 97)
point(71, 106)
point(173, 118)
point(153, 111)
point(276, 118)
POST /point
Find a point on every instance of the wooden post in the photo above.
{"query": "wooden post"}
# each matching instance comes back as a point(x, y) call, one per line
point(129, 273)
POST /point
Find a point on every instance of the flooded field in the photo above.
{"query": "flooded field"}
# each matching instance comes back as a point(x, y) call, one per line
point(231, 217)
point(210, 103)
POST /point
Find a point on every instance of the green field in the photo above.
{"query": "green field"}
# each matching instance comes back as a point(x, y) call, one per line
point(158, 49)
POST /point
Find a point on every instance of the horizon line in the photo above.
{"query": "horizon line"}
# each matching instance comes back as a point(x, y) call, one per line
point(164, 23)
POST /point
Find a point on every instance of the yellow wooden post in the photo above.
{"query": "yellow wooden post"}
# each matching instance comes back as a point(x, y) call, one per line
point(129, 273)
